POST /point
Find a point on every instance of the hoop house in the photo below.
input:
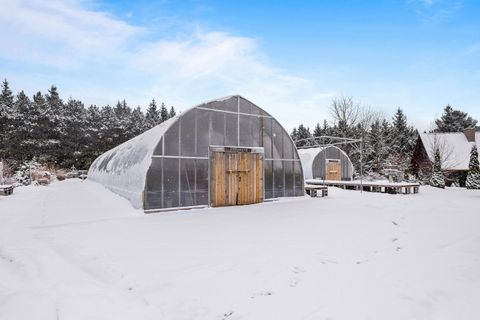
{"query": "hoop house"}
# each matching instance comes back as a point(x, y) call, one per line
point(326, 163)
point(223, 152)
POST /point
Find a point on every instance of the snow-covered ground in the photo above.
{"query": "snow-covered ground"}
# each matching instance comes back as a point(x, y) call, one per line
point(74, 250)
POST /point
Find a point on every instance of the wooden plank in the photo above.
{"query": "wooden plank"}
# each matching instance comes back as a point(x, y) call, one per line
point(218, 179)
point(249, 179)
point(260, 182)
point(213, 180)
point(230, 168)
point(243, 179)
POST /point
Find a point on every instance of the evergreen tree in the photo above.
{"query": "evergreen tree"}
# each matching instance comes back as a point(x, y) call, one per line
point(376, 147)
point(326, 129)
point(403, 140)
point(454, 121)
point(94, 134)
point(21, 137)
point(303, 133)
point(294, 134)
point(137, 123)
point(318, 131)
point(437, 180)
point(73, 136)
point(172, 112)
point(108, 128)
point(121, 122)
point(153, 117)
point(473, 176)
point(163, 113)
point(52, 122)
point(40, 123)
point(6, 117)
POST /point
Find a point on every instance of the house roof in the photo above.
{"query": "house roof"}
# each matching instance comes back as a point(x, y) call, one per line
point(454, 148)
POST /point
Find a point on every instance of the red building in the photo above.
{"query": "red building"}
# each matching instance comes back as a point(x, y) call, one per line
point(454, 150)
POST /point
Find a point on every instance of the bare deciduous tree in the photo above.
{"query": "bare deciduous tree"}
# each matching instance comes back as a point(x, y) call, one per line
point(345, 111)
point(447, 153)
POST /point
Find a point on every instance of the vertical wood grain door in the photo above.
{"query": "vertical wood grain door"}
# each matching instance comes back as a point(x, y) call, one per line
point(334, 170)
point(236, 178)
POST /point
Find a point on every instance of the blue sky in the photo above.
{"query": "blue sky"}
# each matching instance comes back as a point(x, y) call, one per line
point(291, 58)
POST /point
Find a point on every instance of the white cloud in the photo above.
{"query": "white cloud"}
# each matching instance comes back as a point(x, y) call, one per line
point(211, 64)
point(435, 12)
point(67, 36)
point(58, 33)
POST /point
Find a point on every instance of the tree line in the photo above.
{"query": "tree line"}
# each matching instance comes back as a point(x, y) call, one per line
point(386, 143)
point(51, 131)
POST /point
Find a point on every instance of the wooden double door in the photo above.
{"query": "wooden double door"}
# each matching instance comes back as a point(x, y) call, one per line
point(334, 170)
point(236, 178)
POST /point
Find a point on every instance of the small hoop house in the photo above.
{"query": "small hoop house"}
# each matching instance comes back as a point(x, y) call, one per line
point(326, 163)
point(223, 152)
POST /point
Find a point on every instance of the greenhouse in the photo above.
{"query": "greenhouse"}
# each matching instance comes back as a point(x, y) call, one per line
point(326, 163)
point(223, 152)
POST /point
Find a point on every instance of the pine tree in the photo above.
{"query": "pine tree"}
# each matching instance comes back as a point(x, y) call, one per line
point(6, 117)
point(294, 134)
point(122, 120)
point(153, 117)
point(40, 127)
point(318, 131)
point(73, 136)
point(454, 121)
point(376, 147)
point(403, 140)
point(94, 145)
point(473, 176)
point(437, 180)
point(52, 122)
point(21, 137)
point(172, 112)
point(163, 113)
point(108, 128)
point(326, 128)
point(303, 133)
point(137, 123)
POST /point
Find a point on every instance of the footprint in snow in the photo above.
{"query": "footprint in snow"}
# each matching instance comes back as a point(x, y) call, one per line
point(227, 314)
point(262, 293)
point(325, 261)
point(294, 282)
point(297, 270)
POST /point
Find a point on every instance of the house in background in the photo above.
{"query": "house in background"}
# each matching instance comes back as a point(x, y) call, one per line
point(454, 150)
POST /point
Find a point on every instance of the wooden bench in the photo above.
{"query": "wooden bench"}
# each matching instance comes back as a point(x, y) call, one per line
point(313, 190)
point(6, 190)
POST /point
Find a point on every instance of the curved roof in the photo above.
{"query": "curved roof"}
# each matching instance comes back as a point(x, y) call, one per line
point(124, 168)
point(309, 155)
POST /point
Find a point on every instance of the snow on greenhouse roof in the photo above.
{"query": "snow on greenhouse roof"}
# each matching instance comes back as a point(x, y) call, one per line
point(123, 169)
point(454, 148)
point(307, 156)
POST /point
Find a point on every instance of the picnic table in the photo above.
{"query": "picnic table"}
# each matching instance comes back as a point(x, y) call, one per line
point(314, 190)
point(6, 190)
